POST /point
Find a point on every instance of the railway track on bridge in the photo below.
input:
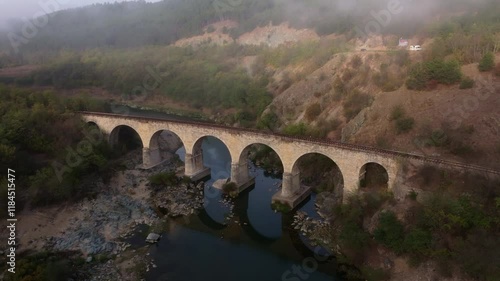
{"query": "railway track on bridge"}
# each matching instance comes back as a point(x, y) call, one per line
point(352, 147)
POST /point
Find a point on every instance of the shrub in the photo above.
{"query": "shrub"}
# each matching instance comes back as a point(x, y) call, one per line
point(413, 195)
point(268, 121)
point(281, 207)
point(397, 112)
point(355, 103)
point(299, 129)
point(418, 241)
point(165, 178)
point(487, 62)
point(390, 231)
point(356, 62)
point(430, 73)
point(313, 111)
point(229, 187)
point(404, 125)
point(467, 83)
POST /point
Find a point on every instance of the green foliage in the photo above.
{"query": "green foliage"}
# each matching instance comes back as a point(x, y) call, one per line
point(281, 207)
point(299, 129)
point(413, 195)
point(456, 216)
point(230, 188)
point(352, 235)
point(404, 125)
point(202, 78)
point(313, 111)
point(42, 124)
point(268, 121)
point(374, 274)
point(356, 62)
point(390, 231)
point(164, 178)
point(356, 102)
point(424, 75)
point(487, 63)
point(478, 256)
point(43, 266)
point(467, 83)
point(266, 158)
point(397, 112)
point(418, 242)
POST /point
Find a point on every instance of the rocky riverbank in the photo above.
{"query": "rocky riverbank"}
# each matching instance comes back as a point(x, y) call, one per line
point(97, 227)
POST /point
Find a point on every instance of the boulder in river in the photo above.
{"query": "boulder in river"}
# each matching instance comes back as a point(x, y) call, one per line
point(152, 238)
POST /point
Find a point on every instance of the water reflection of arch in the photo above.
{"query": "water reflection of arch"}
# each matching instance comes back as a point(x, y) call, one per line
point(207, 220)
point(241, 210)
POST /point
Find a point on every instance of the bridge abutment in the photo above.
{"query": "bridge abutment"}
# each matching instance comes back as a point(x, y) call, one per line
point(240, 176)
point(193, 166)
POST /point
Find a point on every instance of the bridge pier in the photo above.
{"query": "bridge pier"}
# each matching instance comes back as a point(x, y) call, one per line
point(193, 166)
point(151, 157)
point(292, 192)
point(240, 176)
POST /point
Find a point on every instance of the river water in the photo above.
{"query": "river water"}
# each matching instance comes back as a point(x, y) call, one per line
point(255, 244)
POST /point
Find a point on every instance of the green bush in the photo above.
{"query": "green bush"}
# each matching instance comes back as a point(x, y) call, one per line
point(467, 83)
point(164, 178)
point(413, 195)
point(397, 112)
point(230, 187)
point(281, 207)
point(417, 242)
point(423, 75)
point(268, 121)
point(454, 216)
point(390, 231)
point(299, 129)
point(404, 125)
point(313, 111)
point(356, 62)
point(355, 103)
point(487, 63)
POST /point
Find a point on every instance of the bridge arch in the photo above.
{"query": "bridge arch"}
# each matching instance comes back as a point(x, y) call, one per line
point(119, 132)
point(156, 156)
point(373, 175)
point(239, 167)
point(328, 168)
point(194, 159)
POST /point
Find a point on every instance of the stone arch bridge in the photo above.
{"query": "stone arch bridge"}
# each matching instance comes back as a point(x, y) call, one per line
point(350, 159)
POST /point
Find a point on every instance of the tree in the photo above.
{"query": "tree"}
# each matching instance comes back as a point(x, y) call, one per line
point(487, 62)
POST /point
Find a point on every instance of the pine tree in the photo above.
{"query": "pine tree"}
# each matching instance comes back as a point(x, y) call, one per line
point(487, 62)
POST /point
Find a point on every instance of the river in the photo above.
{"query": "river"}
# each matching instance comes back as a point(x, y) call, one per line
point(255, 244)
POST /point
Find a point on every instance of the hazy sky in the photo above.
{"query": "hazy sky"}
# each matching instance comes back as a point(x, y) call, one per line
point(27, 8)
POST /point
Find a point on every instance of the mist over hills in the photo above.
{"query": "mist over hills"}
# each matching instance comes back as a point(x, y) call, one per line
point(132, 24)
